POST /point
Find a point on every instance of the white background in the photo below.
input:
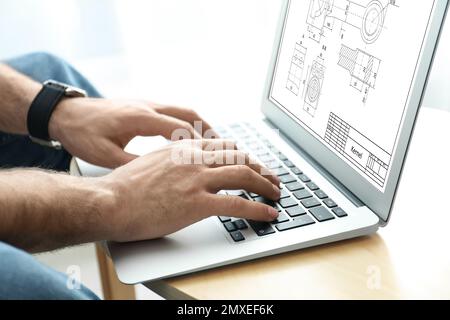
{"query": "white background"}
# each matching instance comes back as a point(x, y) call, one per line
point(177, 47)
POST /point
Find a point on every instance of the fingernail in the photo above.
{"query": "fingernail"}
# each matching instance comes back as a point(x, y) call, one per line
point(277, 191)
point(277, 180)
point(273, 213)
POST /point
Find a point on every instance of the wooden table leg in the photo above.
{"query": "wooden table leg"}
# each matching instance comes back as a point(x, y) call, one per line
point(113, 289)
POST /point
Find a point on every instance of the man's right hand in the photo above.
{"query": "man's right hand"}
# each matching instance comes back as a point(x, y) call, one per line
point(174, 187)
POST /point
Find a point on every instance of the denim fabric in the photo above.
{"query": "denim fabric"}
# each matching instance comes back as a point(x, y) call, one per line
point(19, 151)
point(21, 276)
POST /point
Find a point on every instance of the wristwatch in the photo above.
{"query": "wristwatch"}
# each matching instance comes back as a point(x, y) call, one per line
point(42, 108)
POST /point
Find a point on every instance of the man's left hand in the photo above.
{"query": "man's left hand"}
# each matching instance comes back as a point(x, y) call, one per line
point(98, 130)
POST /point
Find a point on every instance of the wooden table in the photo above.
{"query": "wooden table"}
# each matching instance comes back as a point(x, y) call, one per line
point(408, 259)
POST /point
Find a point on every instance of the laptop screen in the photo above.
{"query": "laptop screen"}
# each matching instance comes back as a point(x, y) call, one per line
point(345, 70)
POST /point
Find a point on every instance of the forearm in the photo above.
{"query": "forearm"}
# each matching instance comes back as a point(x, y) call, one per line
point(16, 95)
point(41, 211)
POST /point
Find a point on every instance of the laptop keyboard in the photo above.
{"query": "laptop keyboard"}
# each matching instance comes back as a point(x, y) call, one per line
point(302, 203)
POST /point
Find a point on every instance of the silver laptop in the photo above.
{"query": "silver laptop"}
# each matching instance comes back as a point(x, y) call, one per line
point(343, 90)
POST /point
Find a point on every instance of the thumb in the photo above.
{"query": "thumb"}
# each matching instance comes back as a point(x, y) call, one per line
point(168, 127)
point(117, 157)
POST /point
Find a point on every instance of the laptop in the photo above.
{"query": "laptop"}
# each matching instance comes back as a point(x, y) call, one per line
point(342, 94)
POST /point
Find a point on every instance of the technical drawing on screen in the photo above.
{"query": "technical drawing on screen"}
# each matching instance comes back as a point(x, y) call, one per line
point(344, 71)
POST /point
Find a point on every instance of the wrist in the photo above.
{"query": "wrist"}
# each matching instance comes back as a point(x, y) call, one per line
point(110, 208)
point(61, 118)
point(103, 204)
point(42, 111)
point(56, 122)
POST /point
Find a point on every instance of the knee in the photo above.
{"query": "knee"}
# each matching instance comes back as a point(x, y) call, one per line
point(44, 66)
point(22, 277)
point(47, 59)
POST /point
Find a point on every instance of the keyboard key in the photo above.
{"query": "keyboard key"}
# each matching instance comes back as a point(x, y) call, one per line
point(272, 148)
point(220, 130)
point(296, 171)
point(304, 178)
point(287, 179)
point(280, 172)
point(267, 158)
point(284, 194)
point(240, 224)
point(261, 228)
point(321, 214)
point(226, 137)
point(244, 196)
point(254, 195)
point(289, 164)
point(261, 152)
point(257, 147)
point(297, 223)
point(287, 203)
point(281, 218)
point(340, 212)
point(273, 165)
point(302, 194)
point(230, 226)
point(312, 186)
point(296, 211)
point(311, 203)
point(320, 194)
point(281, 156)
point(330, 203)
point(266, 201)
point(235, 192)
point(224, 219)
point(237, 236)
point(294, 186)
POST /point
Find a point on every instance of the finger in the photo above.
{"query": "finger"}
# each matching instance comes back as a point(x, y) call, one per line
point(190, 116)
point(210, 145)
point(229, 157)
point(168, 127)
point(240, 177)
point(239, 208)
point(116, 156)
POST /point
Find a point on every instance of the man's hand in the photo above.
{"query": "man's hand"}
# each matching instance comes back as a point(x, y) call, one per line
point(148, 198)
point(177, 186)
point(98, 130)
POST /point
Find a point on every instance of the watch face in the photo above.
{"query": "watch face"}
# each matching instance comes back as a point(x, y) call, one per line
point(70, 91)
point(75, 92)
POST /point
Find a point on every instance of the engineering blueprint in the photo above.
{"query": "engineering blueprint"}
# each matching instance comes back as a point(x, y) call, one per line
point(344, 71)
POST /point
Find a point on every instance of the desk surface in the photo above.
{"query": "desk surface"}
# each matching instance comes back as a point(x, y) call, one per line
point(407, 259)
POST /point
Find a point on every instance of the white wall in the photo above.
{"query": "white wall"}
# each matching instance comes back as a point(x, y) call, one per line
point(85, 29)
point(74, 29)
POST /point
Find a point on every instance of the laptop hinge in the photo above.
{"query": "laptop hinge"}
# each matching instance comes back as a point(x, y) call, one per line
point(338, 185)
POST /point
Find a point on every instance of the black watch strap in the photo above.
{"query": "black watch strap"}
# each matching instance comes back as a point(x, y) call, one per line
point(41, 109)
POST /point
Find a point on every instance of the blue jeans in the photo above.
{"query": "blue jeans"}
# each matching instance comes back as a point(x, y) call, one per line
point(19, 151)
point(21, 276)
